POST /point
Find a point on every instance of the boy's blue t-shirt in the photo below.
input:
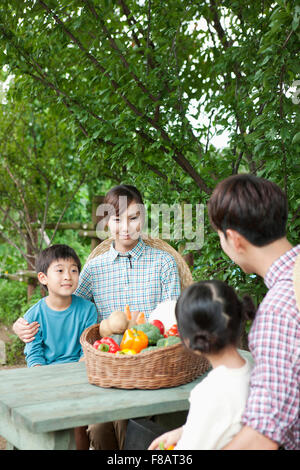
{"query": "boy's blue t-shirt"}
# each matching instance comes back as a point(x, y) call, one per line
point(58, 337)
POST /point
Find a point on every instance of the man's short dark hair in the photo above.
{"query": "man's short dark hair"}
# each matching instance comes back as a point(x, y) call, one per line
point(53, 253)
point(254, 207)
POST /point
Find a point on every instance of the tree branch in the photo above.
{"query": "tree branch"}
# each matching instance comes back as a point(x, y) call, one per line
point(218, 26)
point(21, 191)
point(297, 213)
point(7, 240)
point(132, 21)
point(119, 52)
point(66, 206)
point(14, 224)
point(44, 217)
point(178, 157)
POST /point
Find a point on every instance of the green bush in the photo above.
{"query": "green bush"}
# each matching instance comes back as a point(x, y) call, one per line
point(14, 350)
point(12, 299)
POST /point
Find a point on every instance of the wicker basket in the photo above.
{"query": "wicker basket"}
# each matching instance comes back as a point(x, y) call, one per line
point(165, 367)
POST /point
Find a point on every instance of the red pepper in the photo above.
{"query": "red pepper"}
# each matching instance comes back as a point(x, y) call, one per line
point(96, 344)
point(173, 331)
point(107, 344)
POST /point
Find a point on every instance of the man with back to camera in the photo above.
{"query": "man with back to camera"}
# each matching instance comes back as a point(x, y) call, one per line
point(250, 215)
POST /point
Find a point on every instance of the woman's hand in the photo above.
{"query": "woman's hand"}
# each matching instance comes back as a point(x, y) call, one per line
point(24, 330)
point(168, 439)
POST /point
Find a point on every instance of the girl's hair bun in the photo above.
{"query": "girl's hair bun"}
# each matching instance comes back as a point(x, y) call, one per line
point(210, 315)
point(202, 342)
point(248, 308)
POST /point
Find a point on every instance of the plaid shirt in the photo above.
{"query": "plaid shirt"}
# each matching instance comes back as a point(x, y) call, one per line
point(149, 277)
point(273, 406)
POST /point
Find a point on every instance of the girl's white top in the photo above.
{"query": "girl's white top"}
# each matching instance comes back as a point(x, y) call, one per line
point(216, 408)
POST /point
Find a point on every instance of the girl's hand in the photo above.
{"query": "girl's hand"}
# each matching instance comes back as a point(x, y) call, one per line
point(24, 330)
point(168, 439)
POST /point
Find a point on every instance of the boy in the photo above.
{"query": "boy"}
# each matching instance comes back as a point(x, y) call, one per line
point(250, 216)
point(61, 316)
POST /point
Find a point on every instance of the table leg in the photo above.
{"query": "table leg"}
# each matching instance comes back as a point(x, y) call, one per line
point(63, 440)
point(10, 446)
point(19, 437)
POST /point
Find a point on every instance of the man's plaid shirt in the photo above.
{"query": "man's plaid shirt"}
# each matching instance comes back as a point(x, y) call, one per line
point(273, 406)
point(149, 277)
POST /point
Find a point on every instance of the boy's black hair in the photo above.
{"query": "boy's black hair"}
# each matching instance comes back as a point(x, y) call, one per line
point(53, 253)
point(210, 315)
point(255, 207)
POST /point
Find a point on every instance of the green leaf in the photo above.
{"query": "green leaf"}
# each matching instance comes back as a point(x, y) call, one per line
point(296, 138)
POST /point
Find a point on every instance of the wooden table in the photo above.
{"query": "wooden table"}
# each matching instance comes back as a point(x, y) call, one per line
point(39, 407)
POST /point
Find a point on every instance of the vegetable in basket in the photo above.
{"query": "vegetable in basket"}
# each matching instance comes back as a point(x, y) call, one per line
point(169, 341)
point(116, 323)
point(134, 339)
point(128, 352)
point(150, 348)
point(151, 331)
point(159, 325)
point(173, 331)
point(106, 344)
point(119, 321)
point(134, 318)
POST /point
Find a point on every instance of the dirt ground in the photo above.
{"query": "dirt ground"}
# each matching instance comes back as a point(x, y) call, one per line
point(4, 336)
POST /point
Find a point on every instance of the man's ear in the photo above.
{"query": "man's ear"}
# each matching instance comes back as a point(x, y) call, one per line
point(236, 239)
point(42, 277)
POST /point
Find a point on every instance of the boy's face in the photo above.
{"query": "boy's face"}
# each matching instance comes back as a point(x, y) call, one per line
point(61, 278)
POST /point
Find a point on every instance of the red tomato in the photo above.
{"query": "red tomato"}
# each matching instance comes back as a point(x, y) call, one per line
point(97, 343)
point(173, 331)
point(159, 325)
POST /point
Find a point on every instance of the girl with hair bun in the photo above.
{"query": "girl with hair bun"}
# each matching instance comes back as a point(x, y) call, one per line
point(210, 317)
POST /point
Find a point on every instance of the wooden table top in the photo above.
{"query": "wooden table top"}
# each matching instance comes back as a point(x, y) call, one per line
point(56, 397)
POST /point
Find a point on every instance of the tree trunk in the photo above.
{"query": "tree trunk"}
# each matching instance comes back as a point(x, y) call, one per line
point(31, 258)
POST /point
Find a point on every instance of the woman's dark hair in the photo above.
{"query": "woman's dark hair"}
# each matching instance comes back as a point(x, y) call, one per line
point(117, 200)
point(254, 207)
point(127, 192)
point(210, 315)
point(53, 253)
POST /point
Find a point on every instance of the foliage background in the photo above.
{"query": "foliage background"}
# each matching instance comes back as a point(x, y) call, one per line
point(111, 92)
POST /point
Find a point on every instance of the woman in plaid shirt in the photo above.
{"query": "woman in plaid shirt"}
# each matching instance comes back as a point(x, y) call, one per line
point(131, 272)
point(250, 216)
